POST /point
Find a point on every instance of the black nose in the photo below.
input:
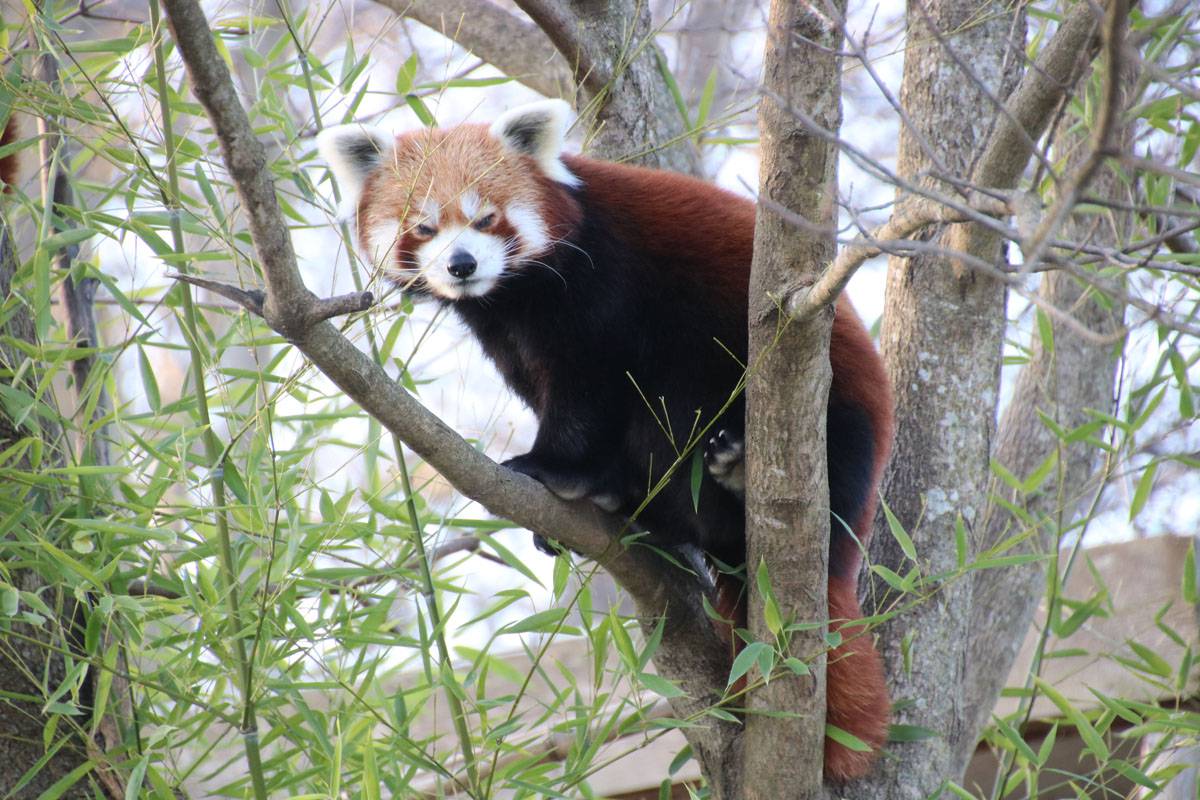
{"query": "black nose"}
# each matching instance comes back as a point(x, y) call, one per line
point(462, 264)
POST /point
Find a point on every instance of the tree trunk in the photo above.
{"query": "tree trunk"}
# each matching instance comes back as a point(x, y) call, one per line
point(621, 90)
point(943, 329)
point(1065, 380)
point(787, 516)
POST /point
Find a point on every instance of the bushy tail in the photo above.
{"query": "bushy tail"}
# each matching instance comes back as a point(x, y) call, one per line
point(856, 696)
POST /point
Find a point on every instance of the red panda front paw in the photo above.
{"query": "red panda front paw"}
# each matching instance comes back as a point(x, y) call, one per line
point(568, 484)
point(724, 455)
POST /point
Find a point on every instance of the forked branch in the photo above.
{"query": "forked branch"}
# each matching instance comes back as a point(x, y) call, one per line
point(691, 652)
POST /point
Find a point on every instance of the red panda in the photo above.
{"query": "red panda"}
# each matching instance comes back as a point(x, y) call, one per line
point(613, 300)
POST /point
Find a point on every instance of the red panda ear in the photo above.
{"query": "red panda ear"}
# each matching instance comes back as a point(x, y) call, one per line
point(537, 130)
point(353, 152)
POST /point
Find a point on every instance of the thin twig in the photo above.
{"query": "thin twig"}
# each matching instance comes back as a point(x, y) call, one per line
point(1112, 37)
point(908, 218)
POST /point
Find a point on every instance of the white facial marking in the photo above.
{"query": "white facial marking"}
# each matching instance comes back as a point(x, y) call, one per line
point(431, 211)
point(469, 202)
point(381, 243)
point(434, 259)
point(531, 230)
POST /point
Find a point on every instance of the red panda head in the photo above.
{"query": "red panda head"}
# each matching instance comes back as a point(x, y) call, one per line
point(455, 211)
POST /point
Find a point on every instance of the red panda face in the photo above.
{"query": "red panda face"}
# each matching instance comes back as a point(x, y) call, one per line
point(456, 212)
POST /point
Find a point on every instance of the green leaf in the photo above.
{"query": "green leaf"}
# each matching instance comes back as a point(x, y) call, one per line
point(1016, 740)
point(1189, 575)
point(1045, 331)
point(508, 557)
point(562, 571)
point(67, 238)
point(771, 613)
point(652, 642)
point(660, 685)
point(10, 600)
point(961, 549)
point(421, 110)
point(133, 784)
point(745, 660)
point(900, 535)
point(846, 739)
point(466, 83)
point(681, 758)
point(406, 75)
point(672, 86)
point(797, 666)
point(1142, 493)
point(235, 482)
point(893, 580)
point(149, 382)
point(544, 621)
point(706, 99)
point(1155, 663)
point(1076, 717)
point(910, 733)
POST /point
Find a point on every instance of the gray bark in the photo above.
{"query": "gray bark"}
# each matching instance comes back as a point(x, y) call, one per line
point(507, 42)
point(787, 395)
point(1065, 382)
point(610, 47)
point(942, 335)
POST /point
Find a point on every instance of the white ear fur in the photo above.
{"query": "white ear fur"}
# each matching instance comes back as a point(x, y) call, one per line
point(537, 130)
point(353, 152)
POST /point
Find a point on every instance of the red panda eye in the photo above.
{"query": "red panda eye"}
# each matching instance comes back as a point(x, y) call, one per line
point(424, 230)
point(483, 223)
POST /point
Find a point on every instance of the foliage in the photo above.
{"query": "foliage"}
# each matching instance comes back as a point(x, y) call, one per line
point(257, 557)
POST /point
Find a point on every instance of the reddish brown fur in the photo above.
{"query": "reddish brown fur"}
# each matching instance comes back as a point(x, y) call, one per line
point(867, 386)
point(674, 214)
point(678, 218)
point(856, 696)
point(439, 165)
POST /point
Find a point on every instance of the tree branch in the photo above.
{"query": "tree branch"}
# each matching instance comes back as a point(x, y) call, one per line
point(908, 218)
point(691, 651)
point(1063, 381)
point(507, 42)
point(618, 69)
point(1029, 108)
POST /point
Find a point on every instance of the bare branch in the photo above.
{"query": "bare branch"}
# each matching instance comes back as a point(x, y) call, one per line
point(507, 42)
point(561, 26)
point(908, 218)
point(250, 299)
point(1113, 37)
point(1030, 106)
